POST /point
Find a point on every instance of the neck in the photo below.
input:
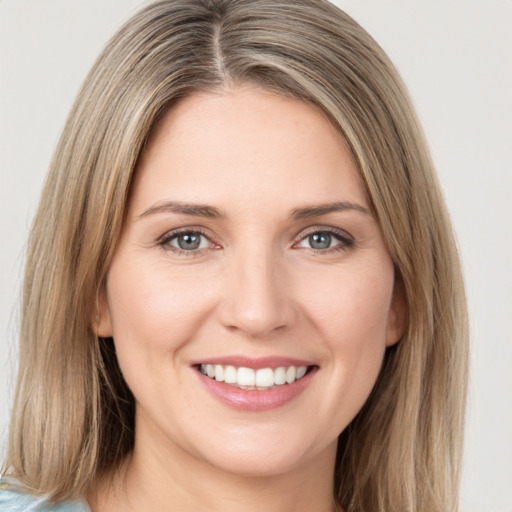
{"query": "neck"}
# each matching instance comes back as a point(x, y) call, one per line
point(156, 479)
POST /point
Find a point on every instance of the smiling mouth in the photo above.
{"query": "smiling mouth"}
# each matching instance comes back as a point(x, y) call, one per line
point(261, 379)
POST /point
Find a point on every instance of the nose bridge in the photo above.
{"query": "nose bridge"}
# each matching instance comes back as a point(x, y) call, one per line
point(257, 299)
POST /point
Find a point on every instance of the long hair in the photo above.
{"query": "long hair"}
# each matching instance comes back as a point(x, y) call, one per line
point(73, 414)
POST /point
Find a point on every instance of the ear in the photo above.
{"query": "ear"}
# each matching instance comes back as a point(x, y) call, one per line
point(102, 322)
point(397, 314)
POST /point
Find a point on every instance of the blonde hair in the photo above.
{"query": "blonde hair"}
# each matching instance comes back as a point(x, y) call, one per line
point(73, 414)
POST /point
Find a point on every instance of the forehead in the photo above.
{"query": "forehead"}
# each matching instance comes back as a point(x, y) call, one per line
point(247, 144)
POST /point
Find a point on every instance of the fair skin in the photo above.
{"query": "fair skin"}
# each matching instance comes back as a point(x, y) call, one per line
point(249, 241)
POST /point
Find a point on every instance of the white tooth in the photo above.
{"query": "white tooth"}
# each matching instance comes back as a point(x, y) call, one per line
point(301, 371)
point(203, 369)
point(230, 374)
point(219, 372)
point(291, 374)
point(265, 377)
point(279, 376)
point(246, 376)
point(210, 370)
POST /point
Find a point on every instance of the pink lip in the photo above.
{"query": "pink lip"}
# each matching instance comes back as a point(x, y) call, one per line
point(254, 363)
point(254, 400)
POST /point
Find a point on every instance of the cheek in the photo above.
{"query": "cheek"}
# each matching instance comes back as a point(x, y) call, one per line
point(351, 305)
point(154, 312)
point(351, 317)
point(350, 313)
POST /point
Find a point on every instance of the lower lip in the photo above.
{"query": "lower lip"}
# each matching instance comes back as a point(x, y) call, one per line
point(256, 400)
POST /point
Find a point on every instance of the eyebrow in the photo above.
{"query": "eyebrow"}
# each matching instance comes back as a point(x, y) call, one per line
point(210, 212)
point(196, 210)
point(322, 209)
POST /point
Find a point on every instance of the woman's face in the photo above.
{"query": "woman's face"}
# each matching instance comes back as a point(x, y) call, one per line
point(249, 255)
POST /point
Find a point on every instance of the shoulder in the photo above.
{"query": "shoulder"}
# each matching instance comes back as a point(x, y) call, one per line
point(14, 499)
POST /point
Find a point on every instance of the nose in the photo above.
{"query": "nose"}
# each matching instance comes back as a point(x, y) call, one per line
point(257, 299)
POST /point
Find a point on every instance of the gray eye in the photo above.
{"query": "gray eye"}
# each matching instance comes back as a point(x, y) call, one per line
point(192, 242)
point(320, 240)
point(188, 241)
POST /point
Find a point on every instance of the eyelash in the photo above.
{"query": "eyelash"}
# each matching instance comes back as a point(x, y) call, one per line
point(346, 241)
point(166, 239)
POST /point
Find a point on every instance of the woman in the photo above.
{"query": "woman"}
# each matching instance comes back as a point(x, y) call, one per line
point(242, 288)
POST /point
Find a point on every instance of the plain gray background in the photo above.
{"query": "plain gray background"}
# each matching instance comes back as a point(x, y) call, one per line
point(455, 56)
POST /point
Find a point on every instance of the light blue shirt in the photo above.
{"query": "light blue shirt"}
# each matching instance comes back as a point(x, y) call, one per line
point(14, 499)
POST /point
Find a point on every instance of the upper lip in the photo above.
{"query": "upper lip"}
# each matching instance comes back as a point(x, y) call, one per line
point(255, 363)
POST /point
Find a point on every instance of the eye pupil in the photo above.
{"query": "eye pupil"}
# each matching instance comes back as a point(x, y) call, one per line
point(189, 241)
point(320, 241)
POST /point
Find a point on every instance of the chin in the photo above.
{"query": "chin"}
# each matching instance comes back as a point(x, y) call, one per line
point(266, 452)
